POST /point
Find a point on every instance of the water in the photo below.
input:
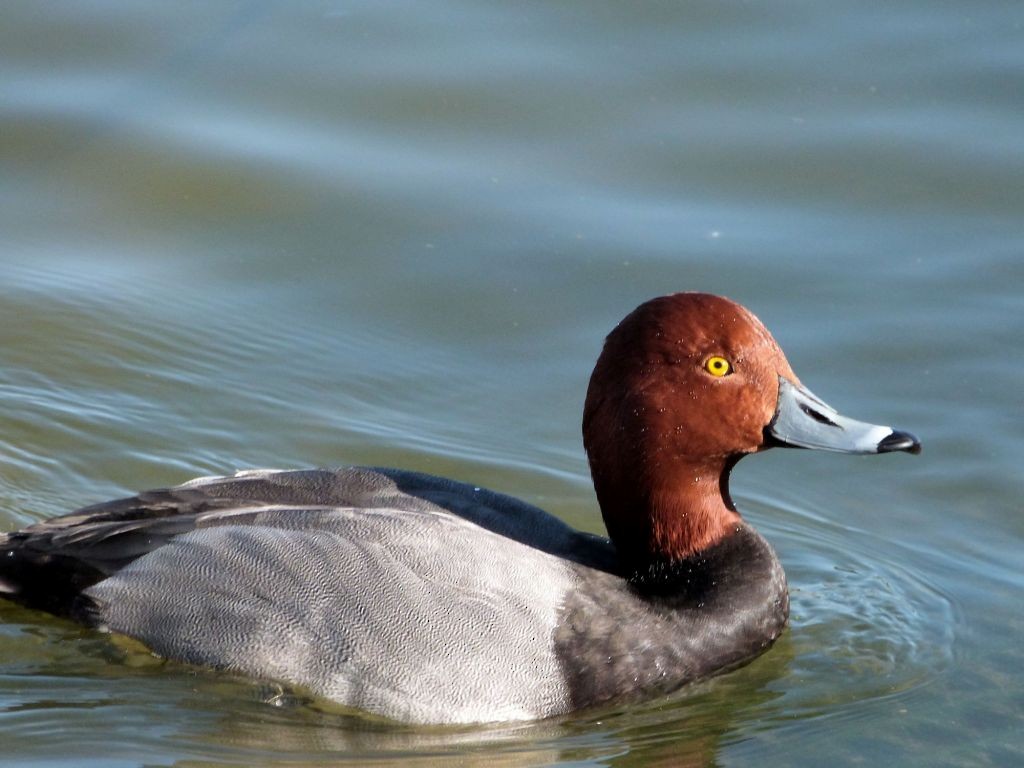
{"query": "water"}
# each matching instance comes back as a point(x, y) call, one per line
point(294, 234)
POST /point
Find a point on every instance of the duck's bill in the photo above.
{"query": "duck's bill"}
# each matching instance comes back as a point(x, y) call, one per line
point(802, 420)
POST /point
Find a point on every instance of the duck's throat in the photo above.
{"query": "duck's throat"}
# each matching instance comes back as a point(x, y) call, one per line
point(674, 518)
point(691, 516)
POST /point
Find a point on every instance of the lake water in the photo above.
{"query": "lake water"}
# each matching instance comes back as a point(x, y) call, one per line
point(315, 233)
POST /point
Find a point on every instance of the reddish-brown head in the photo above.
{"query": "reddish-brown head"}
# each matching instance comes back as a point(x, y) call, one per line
point(684, 386)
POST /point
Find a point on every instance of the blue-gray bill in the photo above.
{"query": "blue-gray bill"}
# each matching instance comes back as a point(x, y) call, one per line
point(803, 420)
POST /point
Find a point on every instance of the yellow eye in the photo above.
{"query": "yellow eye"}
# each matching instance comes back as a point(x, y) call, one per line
point(717, 366)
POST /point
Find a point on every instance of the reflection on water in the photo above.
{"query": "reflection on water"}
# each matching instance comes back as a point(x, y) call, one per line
point(396, 233)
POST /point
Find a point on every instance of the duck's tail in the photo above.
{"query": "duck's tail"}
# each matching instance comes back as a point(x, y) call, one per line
point(41, 578)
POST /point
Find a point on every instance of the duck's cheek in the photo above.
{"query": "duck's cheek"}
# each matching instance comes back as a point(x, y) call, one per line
point(744, 430)
point(727, 423)
point(751, 436)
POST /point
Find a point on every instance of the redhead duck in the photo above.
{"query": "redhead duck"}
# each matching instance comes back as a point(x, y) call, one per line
point(426, 600)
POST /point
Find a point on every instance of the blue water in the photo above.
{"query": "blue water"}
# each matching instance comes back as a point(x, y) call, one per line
point(315, 233)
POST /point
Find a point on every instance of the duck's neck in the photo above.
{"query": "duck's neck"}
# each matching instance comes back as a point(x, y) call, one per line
point(671, 517)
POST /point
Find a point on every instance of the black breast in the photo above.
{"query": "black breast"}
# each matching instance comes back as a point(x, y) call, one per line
point(673, 624)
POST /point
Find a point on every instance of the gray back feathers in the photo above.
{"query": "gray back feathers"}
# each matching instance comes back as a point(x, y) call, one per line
point(396, 606)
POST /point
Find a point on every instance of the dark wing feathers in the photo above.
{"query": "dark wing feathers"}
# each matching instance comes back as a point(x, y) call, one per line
point(48, 564)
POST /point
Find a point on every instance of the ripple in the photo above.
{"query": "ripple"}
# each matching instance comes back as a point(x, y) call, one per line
point(868, 619)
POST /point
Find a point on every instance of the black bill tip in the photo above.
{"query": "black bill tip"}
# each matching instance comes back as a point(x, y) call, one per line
point(899, 441)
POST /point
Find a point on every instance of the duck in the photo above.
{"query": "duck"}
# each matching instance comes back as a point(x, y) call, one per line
point(423, 600)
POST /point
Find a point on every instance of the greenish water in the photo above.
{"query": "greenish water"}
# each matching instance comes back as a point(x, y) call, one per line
point(316, 233)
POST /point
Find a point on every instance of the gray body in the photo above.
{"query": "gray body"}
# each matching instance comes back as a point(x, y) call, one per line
point(408, 596)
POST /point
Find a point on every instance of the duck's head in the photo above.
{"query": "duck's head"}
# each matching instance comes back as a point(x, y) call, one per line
point(685, 386)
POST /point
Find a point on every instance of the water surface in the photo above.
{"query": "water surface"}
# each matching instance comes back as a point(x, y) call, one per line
point(318, 233)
